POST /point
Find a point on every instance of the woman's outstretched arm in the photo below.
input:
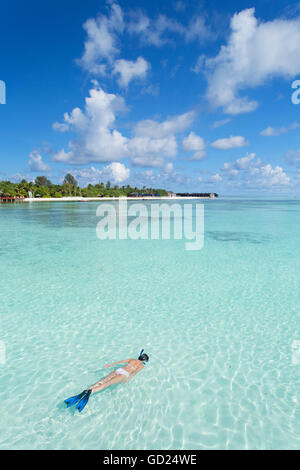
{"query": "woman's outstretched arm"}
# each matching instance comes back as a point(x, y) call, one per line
point(115, 363)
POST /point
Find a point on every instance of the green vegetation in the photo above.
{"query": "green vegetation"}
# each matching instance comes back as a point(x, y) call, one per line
point(42, 187)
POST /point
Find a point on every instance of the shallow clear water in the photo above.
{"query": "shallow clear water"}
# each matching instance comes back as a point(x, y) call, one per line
point(218, 325)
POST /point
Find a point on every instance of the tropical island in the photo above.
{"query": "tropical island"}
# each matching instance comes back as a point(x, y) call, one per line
point(42, 187)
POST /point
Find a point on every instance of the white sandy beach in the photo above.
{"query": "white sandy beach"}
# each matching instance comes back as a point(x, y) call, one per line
point(86, 199)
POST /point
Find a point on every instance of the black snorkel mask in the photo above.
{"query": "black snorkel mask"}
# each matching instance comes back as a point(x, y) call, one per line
point(140, 358)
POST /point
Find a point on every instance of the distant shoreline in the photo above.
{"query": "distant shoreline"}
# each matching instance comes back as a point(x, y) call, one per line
point(101, 199)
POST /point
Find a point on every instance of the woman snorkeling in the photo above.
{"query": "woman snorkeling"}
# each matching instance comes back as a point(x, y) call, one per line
point(125, 373)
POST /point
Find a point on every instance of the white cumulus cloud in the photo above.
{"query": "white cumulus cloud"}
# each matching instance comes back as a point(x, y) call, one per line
point(270, 176)
point(129, 70)
point(102, 46)
point(115, 172)
point(251, 172)
point(159, 31)
point(97, 139)
point(197, 30)
point(216, 178)
point(241, 163)
point(171, 125)
point(271, 131)
point(153, 140)
point(220, 123)
point(153, 32)
point(102, 40)
point(194, 143)
point(255, 52)
point(169, 168)
point(230, 142)
point(36, 163)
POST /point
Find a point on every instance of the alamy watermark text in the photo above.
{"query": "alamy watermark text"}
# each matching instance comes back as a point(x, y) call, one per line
point(2, 92)
point(154, 221)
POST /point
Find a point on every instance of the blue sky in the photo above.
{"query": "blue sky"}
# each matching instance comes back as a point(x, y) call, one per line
point(192, 95)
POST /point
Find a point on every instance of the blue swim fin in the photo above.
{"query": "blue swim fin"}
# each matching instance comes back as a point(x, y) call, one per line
point(83, 401)
point(72, 400)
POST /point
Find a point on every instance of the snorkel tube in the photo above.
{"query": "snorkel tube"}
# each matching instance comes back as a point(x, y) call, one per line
point(141, 354)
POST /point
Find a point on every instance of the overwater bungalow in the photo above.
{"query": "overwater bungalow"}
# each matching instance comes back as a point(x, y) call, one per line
point(5, 199)
point(200, 195)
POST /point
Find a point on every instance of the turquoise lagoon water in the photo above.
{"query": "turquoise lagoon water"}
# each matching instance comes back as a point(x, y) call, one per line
point(219, 326)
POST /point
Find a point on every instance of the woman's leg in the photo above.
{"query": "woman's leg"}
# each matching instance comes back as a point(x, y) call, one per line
point(111, 379)
point(103, 381)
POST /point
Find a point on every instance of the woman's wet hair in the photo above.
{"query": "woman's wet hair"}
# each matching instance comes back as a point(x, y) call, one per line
point(143, 356)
